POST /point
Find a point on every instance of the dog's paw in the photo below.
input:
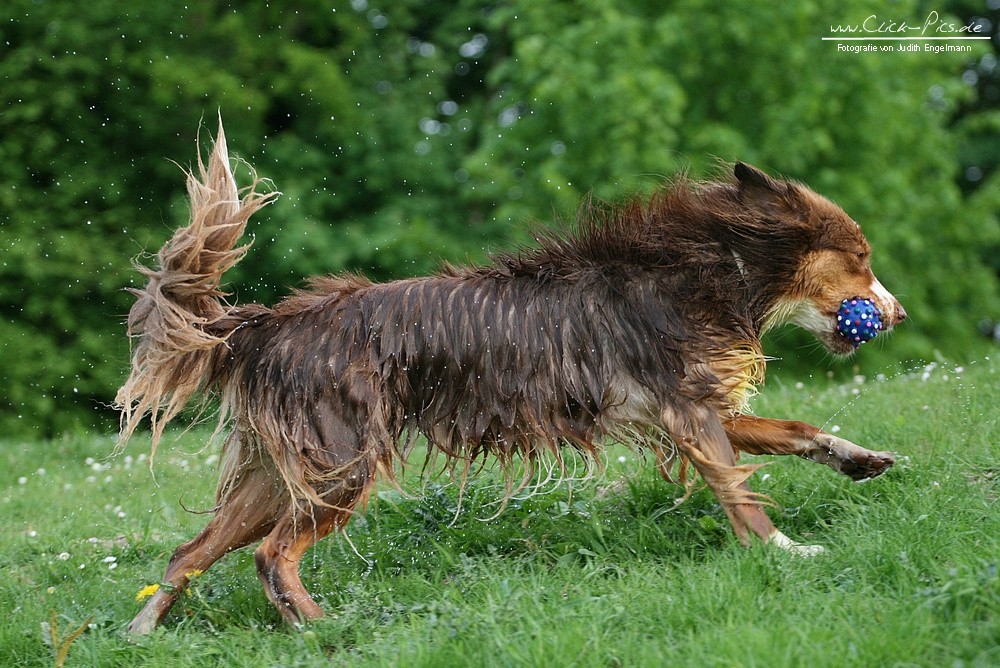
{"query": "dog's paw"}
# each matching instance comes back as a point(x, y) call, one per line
point(867, 465)
point(785, 543)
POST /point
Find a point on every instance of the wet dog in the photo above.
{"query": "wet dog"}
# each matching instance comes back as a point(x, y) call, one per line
point(641, 324)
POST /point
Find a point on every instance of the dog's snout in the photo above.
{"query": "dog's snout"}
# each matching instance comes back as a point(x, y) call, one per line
point(892, 310)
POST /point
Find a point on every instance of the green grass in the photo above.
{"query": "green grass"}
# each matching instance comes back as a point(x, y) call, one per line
point(598, 573)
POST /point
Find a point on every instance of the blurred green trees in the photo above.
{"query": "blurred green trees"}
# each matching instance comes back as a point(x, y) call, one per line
point(410, 132)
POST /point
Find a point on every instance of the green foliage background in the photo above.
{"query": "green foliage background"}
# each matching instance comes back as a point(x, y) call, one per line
point(413, 132)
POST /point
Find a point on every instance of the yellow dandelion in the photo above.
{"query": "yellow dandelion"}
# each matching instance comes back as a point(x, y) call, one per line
point(191, 575)
point(147, 591)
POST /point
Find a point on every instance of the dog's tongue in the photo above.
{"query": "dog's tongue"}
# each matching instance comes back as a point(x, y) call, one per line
point(859, 320)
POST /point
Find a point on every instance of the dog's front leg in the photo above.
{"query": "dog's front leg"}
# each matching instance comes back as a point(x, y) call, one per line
point(700, 435)
point(767, 436)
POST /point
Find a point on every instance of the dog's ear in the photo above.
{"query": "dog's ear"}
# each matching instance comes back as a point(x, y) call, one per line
point(757, 188)
point(752, 178)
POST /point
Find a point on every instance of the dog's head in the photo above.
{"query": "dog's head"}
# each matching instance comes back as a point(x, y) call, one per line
point(832, 265)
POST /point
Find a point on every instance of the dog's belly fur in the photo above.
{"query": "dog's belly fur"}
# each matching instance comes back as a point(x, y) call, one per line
point(631, 403)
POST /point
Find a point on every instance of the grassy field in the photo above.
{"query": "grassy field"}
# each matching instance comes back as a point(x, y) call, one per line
point(598, 573)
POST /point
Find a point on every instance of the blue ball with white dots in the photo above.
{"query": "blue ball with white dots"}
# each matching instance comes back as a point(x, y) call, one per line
point(859, 320)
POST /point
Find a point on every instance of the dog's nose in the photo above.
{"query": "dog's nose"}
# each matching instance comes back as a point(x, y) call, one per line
point(900, 312)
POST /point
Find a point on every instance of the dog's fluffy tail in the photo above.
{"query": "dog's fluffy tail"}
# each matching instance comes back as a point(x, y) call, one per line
point(174, 344)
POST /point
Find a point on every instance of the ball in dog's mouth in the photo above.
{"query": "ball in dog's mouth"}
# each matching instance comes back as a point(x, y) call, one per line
point(858, 320)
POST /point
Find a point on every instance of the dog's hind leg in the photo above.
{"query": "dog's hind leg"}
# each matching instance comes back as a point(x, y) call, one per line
point(246, 513)
point(766, 436)
point(278, 557)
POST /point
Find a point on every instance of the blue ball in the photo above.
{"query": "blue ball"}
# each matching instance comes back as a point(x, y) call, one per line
point(859, 320)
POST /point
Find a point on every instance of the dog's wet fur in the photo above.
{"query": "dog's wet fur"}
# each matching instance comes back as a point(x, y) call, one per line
point(640, 324)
